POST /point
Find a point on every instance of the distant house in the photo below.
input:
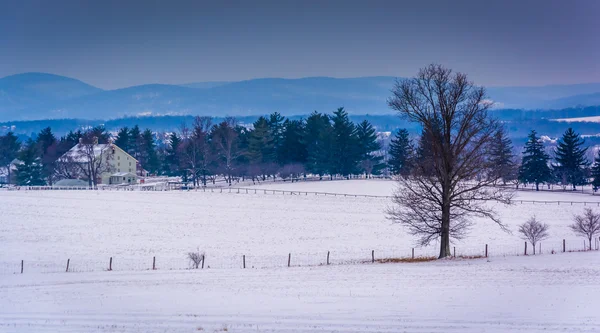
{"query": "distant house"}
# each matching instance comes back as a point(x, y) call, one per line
point(100, 164)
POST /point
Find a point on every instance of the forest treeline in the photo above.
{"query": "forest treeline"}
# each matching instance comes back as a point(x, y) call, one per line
point(327, 145)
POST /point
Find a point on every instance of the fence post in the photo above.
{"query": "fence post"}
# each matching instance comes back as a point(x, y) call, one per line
point(327, 257)
point(525, 248)
point(486, 250)
point(153, 263)
point(540, 250)
point(455, 252)
point(244, 260)
point(413, 253)
point(203, 257)
point(68, 260)
point(372, 256)
point(21, 266)
point(110, 264)
point(564, 247)
point(289, 259)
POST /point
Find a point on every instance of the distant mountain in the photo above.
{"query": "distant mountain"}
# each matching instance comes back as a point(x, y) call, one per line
point(46, 96)
point(575, 101)
point(205, 85)
point(35, 90)
point(550, 97)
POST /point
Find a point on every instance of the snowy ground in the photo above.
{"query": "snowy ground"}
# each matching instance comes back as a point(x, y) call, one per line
point(552, 293)
point(45, 228)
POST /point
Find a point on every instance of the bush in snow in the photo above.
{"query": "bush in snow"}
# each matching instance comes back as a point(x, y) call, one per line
point(196, 258)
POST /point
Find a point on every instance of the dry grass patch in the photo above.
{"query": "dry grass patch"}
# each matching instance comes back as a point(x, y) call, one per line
point(423, 259)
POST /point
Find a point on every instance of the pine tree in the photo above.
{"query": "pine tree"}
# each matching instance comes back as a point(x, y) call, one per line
point(148, 157)
point(595, 174)
point(370, 162)
point(571, 159)
point(261, 147)
point(344, 145)
point(135, 142)
point(122, 140)
point(276, 128)
point(501, 153)
point(9, 149)
point(48, 153)
point(318, 137)
point(293, 148)
point(29, 170)
point(400, 151)
point(534, 167)
point(172, 158)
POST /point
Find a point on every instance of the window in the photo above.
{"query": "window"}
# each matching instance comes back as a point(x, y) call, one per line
point(119, 164)
point(129, 163)
point(118, 157)
point(127, 157)
point(129, 169)
point(118, 170)
point(123, 178)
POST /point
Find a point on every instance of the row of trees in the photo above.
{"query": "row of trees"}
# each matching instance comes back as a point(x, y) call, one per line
point(321, 144)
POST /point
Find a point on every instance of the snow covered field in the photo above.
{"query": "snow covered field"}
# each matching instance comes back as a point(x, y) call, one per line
point(45, 228)
point(552, 293)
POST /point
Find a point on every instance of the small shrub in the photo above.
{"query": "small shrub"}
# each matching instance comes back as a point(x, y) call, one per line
point(195, 258)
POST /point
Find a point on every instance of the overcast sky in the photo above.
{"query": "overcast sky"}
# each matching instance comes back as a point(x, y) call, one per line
point(113, 44)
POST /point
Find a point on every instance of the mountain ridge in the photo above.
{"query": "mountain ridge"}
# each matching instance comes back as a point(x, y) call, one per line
point(34, 95)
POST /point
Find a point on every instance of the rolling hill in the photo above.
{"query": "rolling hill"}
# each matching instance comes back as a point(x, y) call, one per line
point(46, 96)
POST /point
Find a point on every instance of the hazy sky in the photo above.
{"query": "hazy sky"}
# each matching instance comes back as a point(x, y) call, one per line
point(113, 44)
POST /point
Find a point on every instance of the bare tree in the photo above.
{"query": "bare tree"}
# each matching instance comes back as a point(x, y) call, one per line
point(225, 139)
point(196, 152)
point(452, 180)
point(196, 258)
point(586, 225)
point(533, 231)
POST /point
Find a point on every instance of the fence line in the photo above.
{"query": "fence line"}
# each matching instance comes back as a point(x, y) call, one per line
point(250, 190)
point(291, 259)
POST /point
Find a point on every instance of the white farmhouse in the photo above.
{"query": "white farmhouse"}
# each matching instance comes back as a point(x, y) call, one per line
point(104, 163)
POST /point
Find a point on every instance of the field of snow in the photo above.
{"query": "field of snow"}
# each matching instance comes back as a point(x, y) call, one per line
point(593, 119)
point(551, 293)
point(505, 293)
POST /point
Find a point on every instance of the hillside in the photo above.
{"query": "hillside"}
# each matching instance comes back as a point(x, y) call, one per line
point(32, 96)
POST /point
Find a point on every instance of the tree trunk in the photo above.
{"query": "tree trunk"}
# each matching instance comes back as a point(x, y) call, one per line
point(445, 236)
point(537, 186)
point(590, 246)
point(533, 248)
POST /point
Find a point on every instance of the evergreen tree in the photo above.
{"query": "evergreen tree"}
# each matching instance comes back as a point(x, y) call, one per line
point(370, 163)
point(501, 153)
point(29, 170)
point(293, 148)
point(344, 151)
point(9, 150)
point(595, 172)
point(401, 151)
point(318, 139)
point(48, 151)
point(122, 140)
point(571, 159)
point(172, 158)
point(148, 157)
point(276, 123)
point(135, 142)
point(100, 133)
point(261, 147)
point(534, 166)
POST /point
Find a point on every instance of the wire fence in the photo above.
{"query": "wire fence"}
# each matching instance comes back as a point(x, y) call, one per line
point(291, 259)
point(256, 190)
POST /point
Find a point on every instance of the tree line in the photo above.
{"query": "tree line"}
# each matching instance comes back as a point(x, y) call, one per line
point(322, 144)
